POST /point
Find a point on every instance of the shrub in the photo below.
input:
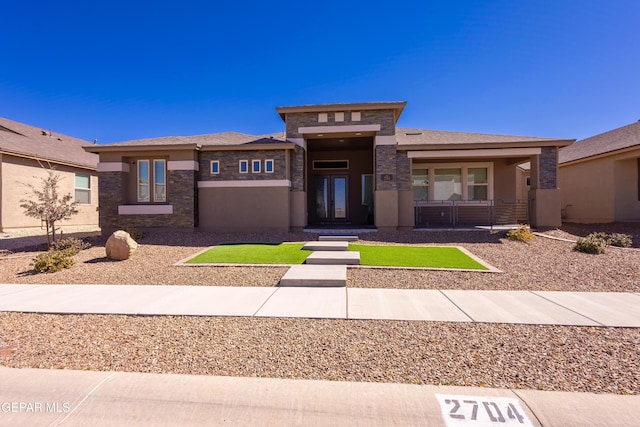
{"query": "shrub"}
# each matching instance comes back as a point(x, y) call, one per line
point(594, 243)
point(521, 234)
point(52, 261)
point(619, 240)
point(135, 234)
point(71, 245)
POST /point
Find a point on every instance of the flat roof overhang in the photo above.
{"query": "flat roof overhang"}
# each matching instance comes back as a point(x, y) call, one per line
point(477, 153)
point(398, 106)
point(97, 149)
point(485, 145)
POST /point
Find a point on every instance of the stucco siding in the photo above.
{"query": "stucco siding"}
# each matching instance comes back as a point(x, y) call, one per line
point(244, 208)
point(627, 207)
point(588, 193)
point(18, 173)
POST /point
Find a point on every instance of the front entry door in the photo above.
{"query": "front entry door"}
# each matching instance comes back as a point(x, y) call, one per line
point(331, 199)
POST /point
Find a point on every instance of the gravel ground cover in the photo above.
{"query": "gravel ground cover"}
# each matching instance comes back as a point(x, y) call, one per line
point(493, 355)
point(517, 356)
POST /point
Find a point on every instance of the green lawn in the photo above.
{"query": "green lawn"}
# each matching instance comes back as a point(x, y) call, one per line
point(259, 253)
point(415, 256)
point(383, 256)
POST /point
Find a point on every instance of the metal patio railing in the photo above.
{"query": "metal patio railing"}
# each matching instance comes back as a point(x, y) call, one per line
point(457, 213)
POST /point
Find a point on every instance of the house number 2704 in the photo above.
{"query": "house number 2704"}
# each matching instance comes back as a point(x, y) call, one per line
point(471, 410)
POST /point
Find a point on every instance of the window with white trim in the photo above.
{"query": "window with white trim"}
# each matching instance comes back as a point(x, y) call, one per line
point(268, 166)
point(452, 182)
point(151, 172)
point(214, 167)
point(243, 166)
point(255, 166)
point(83, 188)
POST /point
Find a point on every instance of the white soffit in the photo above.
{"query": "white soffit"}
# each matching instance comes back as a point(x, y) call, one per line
point(338, 129)
point(245, 183)
point(486, 152)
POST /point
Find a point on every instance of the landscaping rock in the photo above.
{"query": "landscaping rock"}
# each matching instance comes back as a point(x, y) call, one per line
point(120, 246)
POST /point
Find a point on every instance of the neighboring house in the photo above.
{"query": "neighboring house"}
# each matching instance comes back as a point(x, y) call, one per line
point(336, 165)
point(26, 152)
point(600, 178)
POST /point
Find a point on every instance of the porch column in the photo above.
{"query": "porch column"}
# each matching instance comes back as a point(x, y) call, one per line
point(386, 191)
point(544, 196)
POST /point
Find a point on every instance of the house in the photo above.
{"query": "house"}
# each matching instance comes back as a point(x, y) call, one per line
point(600, 178)
point(26, 152)
point(335, 165)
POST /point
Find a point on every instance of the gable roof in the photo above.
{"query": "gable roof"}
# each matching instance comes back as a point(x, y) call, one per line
point(438, 139)
point(23, 140)
point(221, 139)
point(604, 143)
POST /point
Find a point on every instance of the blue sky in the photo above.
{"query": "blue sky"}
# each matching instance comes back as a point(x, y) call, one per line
point(121, 70)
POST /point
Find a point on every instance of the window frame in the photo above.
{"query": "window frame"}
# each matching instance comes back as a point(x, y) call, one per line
point(156, 198)
point(152, 173)
point(255, 162)
point(268, 162)
point(217, 163)
point(246, 166)
point(464, 167)
point(82, 189)
point(427, 185)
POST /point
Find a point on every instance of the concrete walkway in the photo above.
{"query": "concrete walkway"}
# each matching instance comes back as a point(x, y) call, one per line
point(614, 309)
point(41, 397)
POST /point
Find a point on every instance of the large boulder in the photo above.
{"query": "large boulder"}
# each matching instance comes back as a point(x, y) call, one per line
point(120, 246)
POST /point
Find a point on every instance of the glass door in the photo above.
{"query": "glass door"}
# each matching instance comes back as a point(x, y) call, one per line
point(331, 199)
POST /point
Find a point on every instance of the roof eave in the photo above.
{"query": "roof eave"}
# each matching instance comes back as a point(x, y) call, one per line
point(48, 159)
point(475, 145)
point(97, 149)
point(249, 147)
point(599, 156)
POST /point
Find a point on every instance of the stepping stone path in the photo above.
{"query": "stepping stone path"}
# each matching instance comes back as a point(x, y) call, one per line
point(327, 264)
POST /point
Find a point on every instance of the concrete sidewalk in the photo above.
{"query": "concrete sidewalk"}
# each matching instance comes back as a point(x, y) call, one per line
point(613, 309)
point(39, 397)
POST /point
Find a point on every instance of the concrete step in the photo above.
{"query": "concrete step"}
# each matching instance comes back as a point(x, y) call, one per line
point(326, 246)
point(337, 238)
point(334, 258)
point(315, 275)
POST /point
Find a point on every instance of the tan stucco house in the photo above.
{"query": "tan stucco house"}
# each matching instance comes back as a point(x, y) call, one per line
point(26, 152)
point(600, 178)
point(334, 166)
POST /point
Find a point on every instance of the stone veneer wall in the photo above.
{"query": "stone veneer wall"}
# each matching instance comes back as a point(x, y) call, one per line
point(386, 168)
point(230, 167)
point(385, 118)
point(181, 192)
point(548, 168)
point(403, 171)
point(110, 195)
point(297, 170)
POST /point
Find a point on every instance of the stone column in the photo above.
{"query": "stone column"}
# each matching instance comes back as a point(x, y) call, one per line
point(544, 196)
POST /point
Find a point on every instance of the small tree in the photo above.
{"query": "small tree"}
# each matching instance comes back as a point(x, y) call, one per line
point(48, 206)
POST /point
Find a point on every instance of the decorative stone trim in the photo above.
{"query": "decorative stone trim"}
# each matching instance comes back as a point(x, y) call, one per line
point(183, 165)
point(245, 183)
point(113, 167)
point(145, 210)
point(338, 128)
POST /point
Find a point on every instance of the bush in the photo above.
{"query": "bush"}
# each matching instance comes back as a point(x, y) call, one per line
point(71, 246)
point(135, 234)
point(52, 261)
point(594, 243)
point(521, 234)
point(619, 240)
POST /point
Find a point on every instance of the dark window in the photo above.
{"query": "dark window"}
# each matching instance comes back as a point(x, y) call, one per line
point(331, 164)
